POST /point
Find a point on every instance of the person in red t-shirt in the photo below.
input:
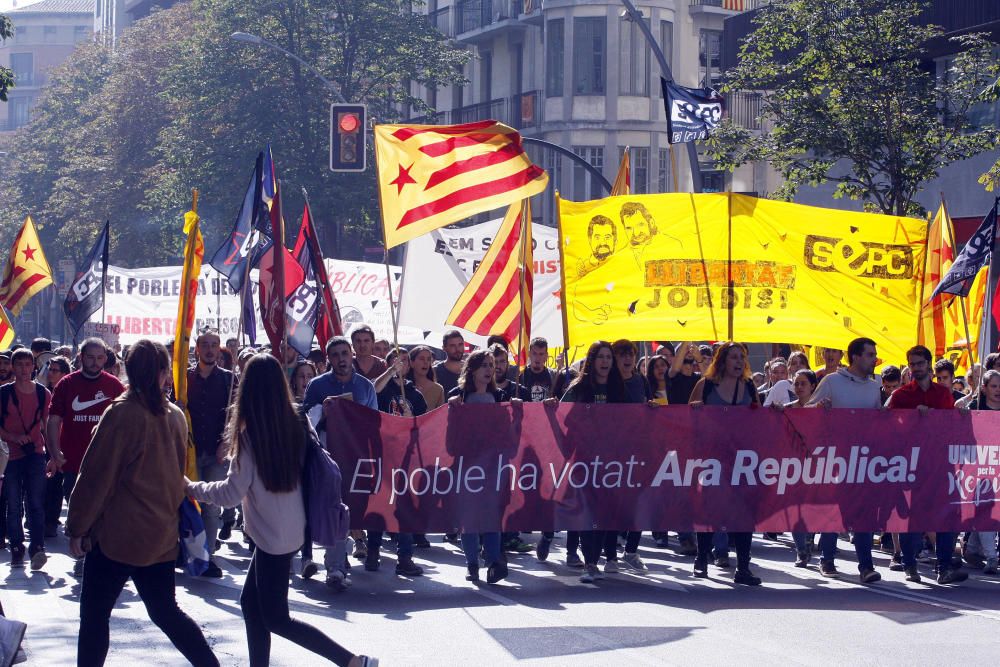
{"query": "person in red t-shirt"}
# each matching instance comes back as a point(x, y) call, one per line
point(923, 394)
point(25, 407)
point(78, 402)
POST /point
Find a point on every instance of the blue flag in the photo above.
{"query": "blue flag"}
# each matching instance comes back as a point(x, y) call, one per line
point(975, 255)
point(86, 294)
point(246, 243)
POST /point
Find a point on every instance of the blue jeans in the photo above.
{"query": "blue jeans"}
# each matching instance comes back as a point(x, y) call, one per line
point(827, 544)
point(862, 547)
point(210, 470)
point(404, 544)
point(945, 548)
point(490, 542)
point(24, 486)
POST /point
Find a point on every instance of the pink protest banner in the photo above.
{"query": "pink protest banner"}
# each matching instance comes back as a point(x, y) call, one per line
point(579, 467)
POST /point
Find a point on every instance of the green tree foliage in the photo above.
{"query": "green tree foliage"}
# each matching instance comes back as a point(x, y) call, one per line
point(851, 97)
point(6, 76)
point(180, 105)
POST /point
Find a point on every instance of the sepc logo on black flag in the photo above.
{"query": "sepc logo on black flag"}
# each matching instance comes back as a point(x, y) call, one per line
point(692, 113)
point(86, 294)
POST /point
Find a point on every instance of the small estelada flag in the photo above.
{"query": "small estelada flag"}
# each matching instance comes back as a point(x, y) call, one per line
point(497, 300)
point(6, 330)
point(433, 175)
point(27, 272)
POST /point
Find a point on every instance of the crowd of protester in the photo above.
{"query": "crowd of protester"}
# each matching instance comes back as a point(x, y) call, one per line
point(96, 431)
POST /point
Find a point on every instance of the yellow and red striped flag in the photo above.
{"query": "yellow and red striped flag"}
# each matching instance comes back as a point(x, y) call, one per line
point(430, 176)
point(623, 181)
point(941, 323)
point(6, 330)
point(27, 272)
point(492, 301)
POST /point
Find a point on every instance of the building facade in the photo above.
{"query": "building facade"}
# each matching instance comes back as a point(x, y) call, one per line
point(45, 34)
point(111, 17)
point(578, 74)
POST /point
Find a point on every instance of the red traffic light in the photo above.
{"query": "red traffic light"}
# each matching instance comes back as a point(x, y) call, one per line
point(349, 122)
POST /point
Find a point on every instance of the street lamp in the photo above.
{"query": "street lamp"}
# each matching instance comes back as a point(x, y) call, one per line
point(257, 40)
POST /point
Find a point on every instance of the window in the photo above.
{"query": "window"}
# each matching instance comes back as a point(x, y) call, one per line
point(20, 33)
point(713, 181)
point(552, 162)
point(639, 168)
point(555, 45)
point(633, 74)
point(19, 111)
point(664, 181)
point(48, 33)
point(81, 33)
point(585, 186)
point(667, 44)
point(486, 82)
point(589, 55)
point(710, 57)
point(23, 66)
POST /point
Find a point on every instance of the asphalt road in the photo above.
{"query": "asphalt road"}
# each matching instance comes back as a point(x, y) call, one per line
point(543, 615)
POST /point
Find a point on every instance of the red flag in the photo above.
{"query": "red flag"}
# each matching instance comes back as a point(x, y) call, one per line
point(272, 306)
point(328, 323)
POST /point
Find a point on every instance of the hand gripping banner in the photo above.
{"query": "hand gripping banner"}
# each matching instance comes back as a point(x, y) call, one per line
point(631, 467)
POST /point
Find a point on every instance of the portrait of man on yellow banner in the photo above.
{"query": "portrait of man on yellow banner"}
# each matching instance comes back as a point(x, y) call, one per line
point(659, 267)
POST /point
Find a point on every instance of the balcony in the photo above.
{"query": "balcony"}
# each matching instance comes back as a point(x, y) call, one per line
point(522, 112)
point(531, 12)
point(480, 20)
point(744, 108)
point(724, 7)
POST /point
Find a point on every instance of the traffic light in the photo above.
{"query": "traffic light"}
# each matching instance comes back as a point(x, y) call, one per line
point(347, 137)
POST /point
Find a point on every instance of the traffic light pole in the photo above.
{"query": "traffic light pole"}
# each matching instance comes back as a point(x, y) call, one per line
point(636, 17)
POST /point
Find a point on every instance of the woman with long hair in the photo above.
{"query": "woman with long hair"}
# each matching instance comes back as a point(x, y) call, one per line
point(727, 383)
point(656, 375)
point(477, 385)
point(598, 382)
point(123, 511)
point(302, 374)
point(422, 375)
point(267, 448)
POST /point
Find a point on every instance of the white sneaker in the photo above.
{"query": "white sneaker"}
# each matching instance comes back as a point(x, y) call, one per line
point(634, 561)
point(611, 567)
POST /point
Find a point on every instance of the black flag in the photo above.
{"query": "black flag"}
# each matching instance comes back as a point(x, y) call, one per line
point(975, 255)
point(86, 294)
point(692, 113)
point(246, 243)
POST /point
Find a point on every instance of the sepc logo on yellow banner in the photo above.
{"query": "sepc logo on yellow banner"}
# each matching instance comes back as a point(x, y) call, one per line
point(718, 266)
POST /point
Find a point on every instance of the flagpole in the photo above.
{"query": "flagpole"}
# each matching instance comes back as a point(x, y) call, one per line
point(964, 301)
point(279, 267)
point(388, 273)
point(673, 167)
point(562, 280)
point(704, 266)
point(923, 280)
point(525, 221)
point(729, 263)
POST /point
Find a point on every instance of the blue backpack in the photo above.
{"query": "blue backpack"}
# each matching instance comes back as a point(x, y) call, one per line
point(328, 518)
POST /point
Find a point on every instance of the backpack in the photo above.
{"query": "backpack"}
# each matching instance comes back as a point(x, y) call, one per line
point(8, 394)
point(328, 518)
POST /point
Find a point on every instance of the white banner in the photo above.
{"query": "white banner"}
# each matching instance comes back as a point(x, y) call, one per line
point(438, 266)
point(143, 302)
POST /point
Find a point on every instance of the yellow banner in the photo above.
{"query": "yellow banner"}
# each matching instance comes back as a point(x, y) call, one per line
point(658, 267)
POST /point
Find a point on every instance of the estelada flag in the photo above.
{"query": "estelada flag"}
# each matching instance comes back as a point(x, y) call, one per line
point(27, 272)
point(433, 175)
point(491, 301)
point(6, 330)
point(623, 181)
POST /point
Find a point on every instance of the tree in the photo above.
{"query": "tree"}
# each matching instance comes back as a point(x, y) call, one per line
point(851, 97)
point(126, 135)
point(6, 76)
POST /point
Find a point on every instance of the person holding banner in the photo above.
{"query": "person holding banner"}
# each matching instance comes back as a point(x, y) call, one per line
point(983, 544)
point(852, 387)
point(477, 385)
point(923, 394)
point(727, 382)
point(598, 382)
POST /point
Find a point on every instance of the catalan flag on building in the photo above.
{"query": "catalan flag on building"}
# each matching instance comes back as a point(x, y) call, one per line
point(194, 253)
point(433, 175)
point(497, 300)
point(27, 272)
point(6, 330)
